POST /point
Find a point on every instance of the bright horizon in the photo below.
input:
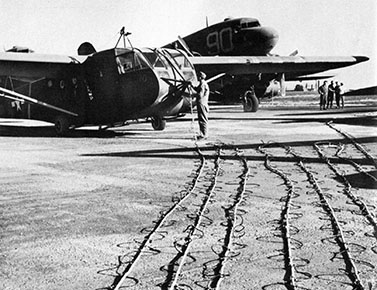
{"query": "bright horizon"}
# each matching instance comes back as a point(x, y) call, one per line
point(315, 28)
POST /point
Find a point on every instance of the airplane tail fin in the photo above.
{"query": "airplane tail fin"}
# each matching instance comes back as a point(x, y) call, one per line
point(86, 48)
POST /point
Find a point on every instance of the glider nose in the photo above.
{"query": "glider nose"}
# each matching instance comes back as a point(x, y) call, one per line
point(263, 39)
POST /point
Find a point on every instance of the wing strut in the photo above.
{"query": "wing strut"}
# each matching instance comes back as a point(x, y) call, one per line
point(215, 77)
point(14, 95)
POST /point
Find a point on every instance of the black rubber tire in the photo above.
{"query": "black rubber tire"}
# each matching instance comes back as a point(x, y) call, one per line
point(61, 125)
point(158, 123)
point(251, 102)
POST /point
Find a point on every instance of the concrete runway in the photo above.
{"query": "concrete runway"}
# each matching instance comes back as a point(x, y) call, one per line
point(76, 210)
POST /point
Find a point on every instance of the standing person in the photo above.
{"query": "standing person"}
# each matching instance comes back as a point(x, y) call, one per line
point(322, 90)
point(341, 95)
point(337, 95)
point(202, 105)
point(330, 95)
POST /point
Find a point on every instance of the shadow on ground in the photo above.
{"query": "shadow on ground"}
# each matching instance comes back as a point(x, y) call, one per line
point(49, 132)
point(362, 180)
point(209, 152)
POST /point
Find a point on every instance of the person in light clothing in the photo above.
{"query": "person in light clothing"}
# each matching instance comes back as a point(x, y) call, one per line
point(202, 105)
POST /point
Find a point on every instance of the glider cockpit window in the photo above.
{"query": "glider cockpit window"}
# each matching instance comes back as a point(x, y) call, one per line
point(130, 61)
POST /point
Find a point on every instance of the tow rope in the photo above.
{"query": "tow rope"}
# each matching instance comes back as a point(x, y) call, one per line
point(192, 117)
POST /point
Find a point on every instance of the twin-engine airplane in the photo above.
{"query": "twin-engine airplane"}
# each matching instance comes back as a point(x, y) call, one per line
point(119, 84)
point(243, 50)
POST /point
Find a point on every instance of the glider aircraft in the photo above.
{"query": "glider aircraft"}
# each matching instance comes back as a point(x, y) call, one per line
point(96, 88)
point(109, 87)
point(237, 41)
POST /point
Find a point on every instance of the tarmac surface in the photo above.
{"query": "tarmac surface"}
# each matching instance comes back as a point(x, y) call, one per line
point(284, 198)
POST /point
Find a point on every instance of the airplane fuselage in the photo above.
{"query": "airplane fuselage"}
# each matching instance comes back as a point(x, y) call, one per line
point(233, 37)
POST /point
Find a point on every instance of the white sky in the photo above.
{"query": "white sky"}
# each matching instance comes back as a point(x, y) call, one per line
point(314, 27)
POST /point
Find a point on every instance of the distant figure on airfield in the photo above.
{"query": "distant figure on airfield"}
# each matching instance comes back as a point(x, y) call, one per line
point(202, 105)
point(322, 90)
point(337, 95)
point(330, 95)
point(341, 95)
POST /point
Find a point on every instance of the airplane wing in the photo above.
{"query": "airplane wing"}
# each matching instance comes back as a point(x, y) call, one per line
point(34, 66)
point(311, 77)
point(31, 67)
point(296, 65)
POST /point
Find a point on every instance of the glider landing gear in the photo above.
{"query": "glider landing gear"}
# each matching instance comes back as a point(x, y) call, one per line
point(250, 102)
point(158, 123)
point(62, 125)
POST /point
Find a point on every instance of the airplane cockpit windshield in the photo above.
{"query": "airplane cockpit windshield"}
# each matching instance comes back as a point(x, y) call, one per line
point(131, 61)
point(250, 24)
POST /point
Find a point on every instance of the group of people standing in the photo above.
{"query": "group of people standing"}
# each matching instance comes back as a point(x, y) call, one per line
point(327, 93)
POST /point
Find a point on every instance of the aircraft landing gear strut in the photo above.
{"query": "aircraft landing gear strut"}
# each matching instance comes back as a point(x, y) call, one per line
point(158, 123)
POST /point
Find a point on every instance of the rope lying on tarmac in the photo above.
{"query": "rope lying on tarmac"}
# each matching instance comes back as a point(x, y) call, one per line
point(357, 145)
point(351, 268)
point(193, 228)
point(158, 224)
point(232, 212)
point(290, 278)
point(347, 189)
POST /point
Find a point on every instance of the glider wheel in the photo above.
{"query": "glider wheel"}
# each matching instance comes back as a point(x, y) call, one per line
point(61, 125)
point(251, 103)
point(158, 123)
